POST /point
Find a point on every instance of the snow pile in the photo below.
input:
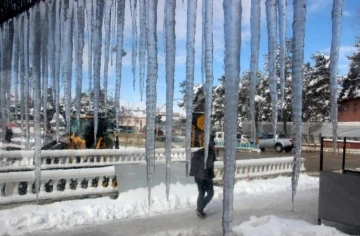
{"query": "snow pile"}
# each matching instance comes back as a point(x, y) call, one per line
point(183, 232)
point(62, 215)
point(275, 226)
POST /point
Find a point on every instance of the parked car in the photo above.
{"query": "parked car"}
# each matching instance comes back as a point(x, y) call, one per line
point(219, 138)
point(280, 143)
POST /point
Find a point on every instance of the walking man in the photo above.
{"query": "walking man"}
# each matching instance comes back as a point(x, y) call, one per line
point(203, 176)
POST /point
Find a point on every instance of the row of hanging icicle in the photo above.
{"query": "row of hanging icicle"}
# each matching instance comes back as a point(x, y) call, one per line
point(42, 47)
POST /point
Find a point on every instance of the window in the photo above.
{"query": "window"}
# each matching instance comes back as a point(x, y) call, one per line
point(355, 107)
point(347, 109)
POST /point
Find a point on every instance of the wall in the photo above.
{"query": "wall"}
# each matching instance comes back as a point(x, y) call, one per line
point(349, 110)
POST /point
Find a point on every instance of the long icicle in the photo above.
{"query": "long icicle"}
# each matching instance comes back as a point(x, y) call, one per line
point(271, 15)
point(120, 35)
point(133, 8)
point(67, 68)
point(208, 24)
point(142, 45)
point(232, 33)
point(97, 62)
point(282, 36)
point(22, 70)
point(4, 78)
point(26, 83)
point(107, 22)
point(254, 59)
point(299, 22)
point(16, 63)
point(152, 74)
point(89, 21)
point(57, 66)
point(44, 60)
point(79, 48)
point(203, 43)
point(9, 59)
point(334, 58)
point(170, 49)
point(51, 46)
point(190, 62)
point(36, 75)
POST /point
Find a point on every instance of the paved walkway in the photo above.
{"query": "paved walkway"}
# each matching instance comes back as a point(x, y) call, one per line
point(187, 221)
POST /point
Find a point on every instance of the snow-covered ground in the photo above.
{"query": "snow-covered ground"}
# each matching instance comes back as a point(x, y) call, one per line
point(67, 214)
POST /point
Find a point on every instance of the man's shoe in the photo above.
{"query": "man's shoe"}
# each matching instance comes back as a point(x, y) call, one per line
point(200, 213)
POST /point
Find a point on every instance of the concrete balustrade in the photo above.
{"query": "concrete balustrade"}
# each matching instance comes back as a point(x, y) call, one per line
point(57, 184)
point(256, 168)
point(20, 186)
point(55, 159)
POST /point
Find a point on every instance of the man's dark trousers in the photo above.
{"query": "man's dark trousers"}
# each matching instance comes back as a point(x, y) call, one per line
point(207, 186)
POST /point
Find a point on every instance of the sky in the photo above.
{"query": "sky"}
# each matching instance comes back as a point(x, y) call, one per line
point(317, 39)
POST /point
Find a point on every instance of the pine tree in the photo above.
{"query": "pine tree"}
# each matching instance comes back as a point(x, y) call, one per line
point(316, 89)
point(351, 82)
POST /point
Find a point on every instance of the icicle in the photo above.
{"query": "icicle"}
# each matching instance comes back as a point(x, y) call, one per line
point(51, 47)
point(67, 69)
point(79, 47)
point(203, 44)
point(299, 22)
point(89, 20)
point(208, 24)
point(16, 64)
point(9, 59)
point(107, 22)
point(254, 59)
point(142, 45)
point(57, 67)
point(44, 60)
point(22, 68)
point(152, 70)
point(4, 75)
point(169, 32)
point(2, 78)
point(190, 62)
point(119, 47)
point(26, 82)
point(36, 75)
point(97, 61)
point(232, 33)
point(271, 25)
point(282, 36)
point(334, 58)
point(133, 4)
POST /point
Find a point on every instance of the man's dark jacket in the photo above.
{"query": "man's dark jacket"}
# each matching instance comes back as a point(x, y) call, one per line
point(197, 164)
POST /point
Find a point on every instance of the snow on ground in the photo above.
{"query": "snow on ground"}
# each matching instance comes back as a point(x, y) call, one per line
point(66, 214)
point(275, 226)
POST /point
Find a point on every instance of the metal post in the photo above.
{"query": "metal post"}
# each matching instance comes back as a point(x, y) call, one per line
point(344, 154)
point(321, 153)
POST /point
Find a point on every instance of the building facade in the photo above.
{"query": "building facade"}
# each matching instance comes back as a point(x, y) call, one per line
point(349, 110)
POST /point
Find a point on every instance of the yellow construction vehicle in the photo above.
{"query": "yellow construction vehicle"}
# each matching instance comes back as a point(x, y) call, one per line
point(82, 135)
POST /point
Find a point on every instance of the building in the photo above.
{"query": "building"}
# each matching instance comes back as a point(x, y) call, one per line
point(349, 110)
point(132, 121)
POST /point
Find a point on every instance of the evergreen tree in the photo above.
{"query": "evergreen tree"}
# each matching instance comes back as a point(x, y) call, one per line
point(316, 89)
point(351, 82)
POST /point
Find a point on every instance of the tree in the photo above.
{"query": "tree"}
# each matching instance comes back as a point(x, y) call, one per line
point(351, 82)
point(316, 89)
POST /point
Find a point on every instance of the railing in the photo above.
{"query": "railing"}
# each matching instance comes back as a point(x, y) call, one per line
point(58, 184)
point(20, 187)
point(255, 168)
point(23, 160)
